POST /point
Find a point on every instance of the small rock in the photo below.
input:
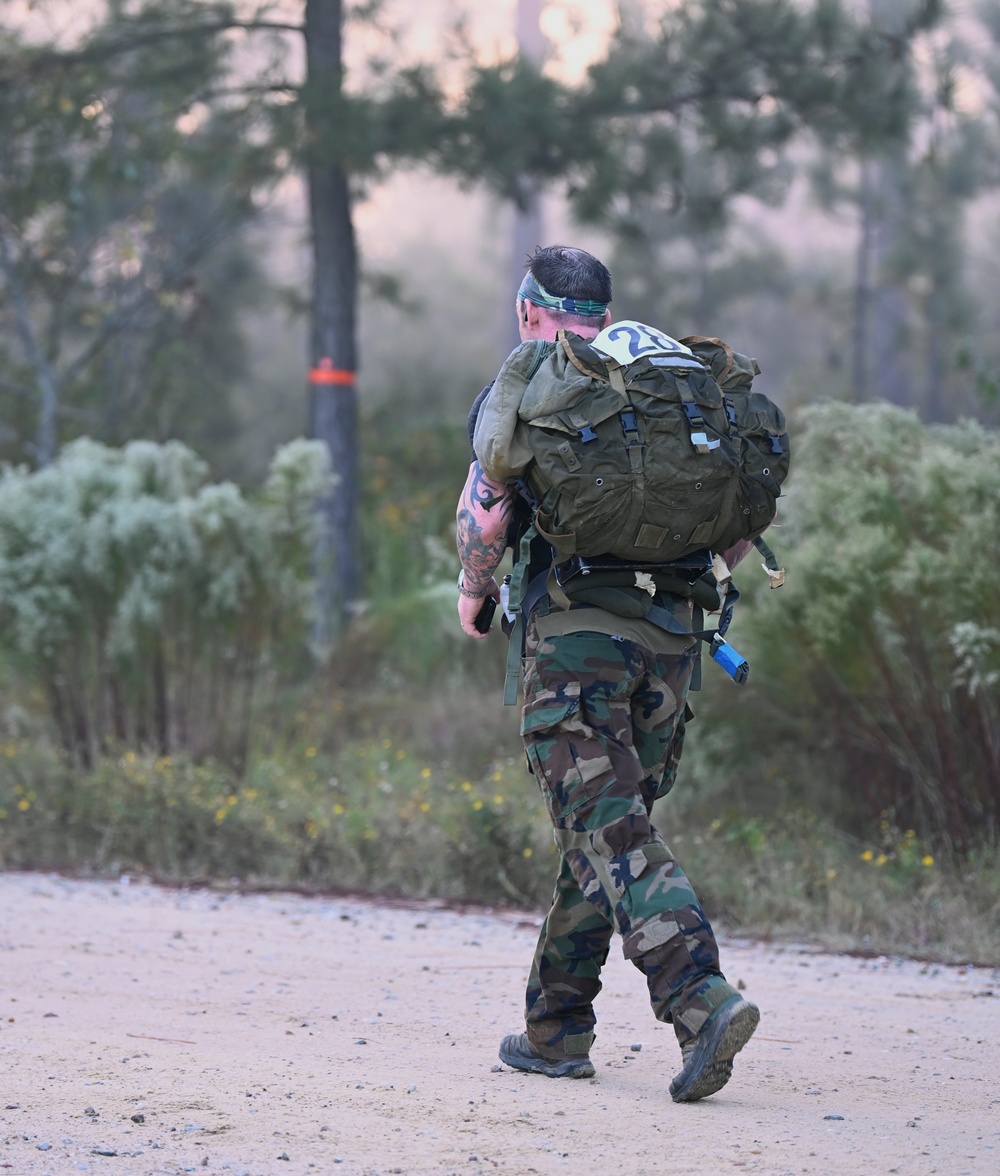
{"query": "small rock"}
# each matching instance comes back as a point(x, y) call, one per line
point(741, 985)
point(497, 1069)
point(103, 1151)
point(833, 1116)
point(45, 1147)
point(361, 1041)
point(139, 1118)
point(283, 1156)
point(636, 1047)
point(90, 1111)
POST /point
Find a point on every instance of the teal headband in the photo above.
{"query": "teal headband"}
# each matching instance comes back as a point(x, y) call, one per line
point(532, 291)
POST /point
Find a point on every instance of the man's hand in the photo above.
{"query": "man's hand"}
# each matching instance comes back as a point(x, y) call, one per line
point(468, 610)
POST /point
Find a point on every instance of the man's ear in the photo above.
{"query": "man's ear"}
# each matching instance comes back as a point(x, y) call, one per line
point(607, 317)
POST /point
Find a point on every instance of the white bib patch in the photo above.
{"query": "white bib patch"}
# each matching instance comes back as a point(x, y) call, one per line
point(628, 341)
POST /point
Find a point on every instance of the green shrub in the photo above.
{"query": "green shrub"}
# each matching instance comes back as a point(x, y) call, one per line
point(875, 690)
point(147, 605)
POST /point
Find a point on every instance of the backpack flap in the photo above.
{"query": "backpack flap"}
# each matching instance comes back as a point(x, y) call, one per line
point(496, 442)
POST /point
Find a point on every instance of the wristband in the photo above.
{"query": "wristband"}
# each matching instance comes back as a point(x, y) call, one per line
point(466, 591)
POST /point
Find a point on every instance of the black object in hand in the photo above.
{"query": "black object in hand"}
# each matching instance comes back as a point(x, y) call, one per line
point(484, 618)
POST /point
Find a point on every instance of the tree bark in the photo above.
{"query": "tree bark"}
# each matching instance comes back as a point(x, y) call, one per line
point(527, 229)
point(862, 289)
point(333, 356)
point(48, 385)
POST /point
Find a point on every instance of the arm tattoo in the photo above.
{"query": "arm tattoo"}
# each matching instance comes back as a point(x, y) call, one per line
point(479, 557)
point(483, 492)
point(481, 531)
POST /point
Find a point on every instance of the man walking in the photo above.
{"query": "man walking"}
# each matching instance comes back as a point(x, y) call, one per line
point(605, 701)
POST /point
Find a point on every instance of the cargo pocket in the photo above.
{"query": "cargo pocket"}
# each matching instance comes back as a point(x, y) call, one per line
point(547, 743)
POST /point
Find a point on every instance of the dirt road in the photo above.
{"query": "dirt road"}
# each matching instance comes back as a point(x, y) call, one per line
point(149, 1031)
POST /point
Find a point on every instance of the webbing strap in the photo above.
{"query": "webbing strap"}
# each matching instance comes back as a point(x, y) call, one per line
point(664, 619)
point(775, 575)
point(512, 675)
point(617, 380)
point(515, 602)
point(696, 422)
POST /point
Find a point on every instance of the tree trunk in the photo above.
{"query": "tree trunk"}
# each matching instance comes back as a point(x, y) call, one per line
point(862, 289)
point(890, 308)
point(527, 228)
point(333, 408)
point(48, 386)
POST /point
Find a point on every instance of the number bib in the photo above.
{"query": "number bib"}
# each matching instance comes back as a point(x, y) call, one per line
point(628, 341)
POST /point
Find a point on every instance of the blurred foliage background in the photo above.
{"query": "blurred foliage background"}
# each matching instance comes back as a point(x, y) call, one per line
point(817, 183)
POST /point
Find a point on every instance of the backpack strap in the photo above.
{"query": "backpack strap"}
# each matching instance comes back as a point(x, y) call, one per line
point(775, 574)
point(522, 596)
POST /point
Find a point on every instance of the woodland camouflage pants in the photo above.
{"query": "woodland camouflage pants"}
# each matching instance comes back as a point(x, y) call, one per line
point(603, 726)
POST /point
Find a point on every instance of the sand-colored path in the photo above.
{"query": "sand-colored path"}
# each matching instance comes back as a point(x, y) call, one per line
point(149, 1031)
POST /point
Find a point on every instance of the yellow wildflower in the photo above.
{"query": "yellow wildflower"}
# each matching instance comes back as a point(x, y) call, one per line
point(24, 804)
point(466, 786)
point(831, 874)
point(527, 851)
point(425, 807)
point(927, 860)
point(867, 856)
point(881, 860)
point(310, 753)
point(425, 773)
point(477, 805)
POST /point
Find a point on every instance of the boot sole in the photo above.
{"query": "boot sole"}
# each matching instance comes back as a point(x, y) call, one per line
point(550, 1067)
point(711, 1065)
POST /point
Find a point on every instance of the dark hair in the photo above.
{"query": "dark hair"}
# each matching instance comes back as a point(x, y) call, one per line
point(571, 273)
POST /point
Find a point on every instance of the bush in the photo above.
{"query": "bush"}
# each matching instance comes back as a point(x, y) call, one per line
point(146, 605)
point(876, 669)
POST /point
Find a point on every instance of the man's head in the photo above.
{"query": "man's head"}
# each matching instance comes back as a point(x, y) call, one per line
point(563, 287)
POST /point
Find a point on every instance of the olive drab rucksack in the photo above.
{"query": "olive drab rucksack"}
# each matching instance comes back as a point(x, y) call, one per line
point(635, 445)
point(642, 459)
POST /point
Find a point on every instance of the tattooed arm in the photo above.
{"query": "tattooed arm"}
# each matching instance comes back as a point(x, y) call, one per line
point(481, 535)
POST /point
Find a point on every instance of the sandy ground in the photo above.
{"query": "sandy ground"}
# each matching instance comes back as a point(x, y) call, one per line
point(151, 1031)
